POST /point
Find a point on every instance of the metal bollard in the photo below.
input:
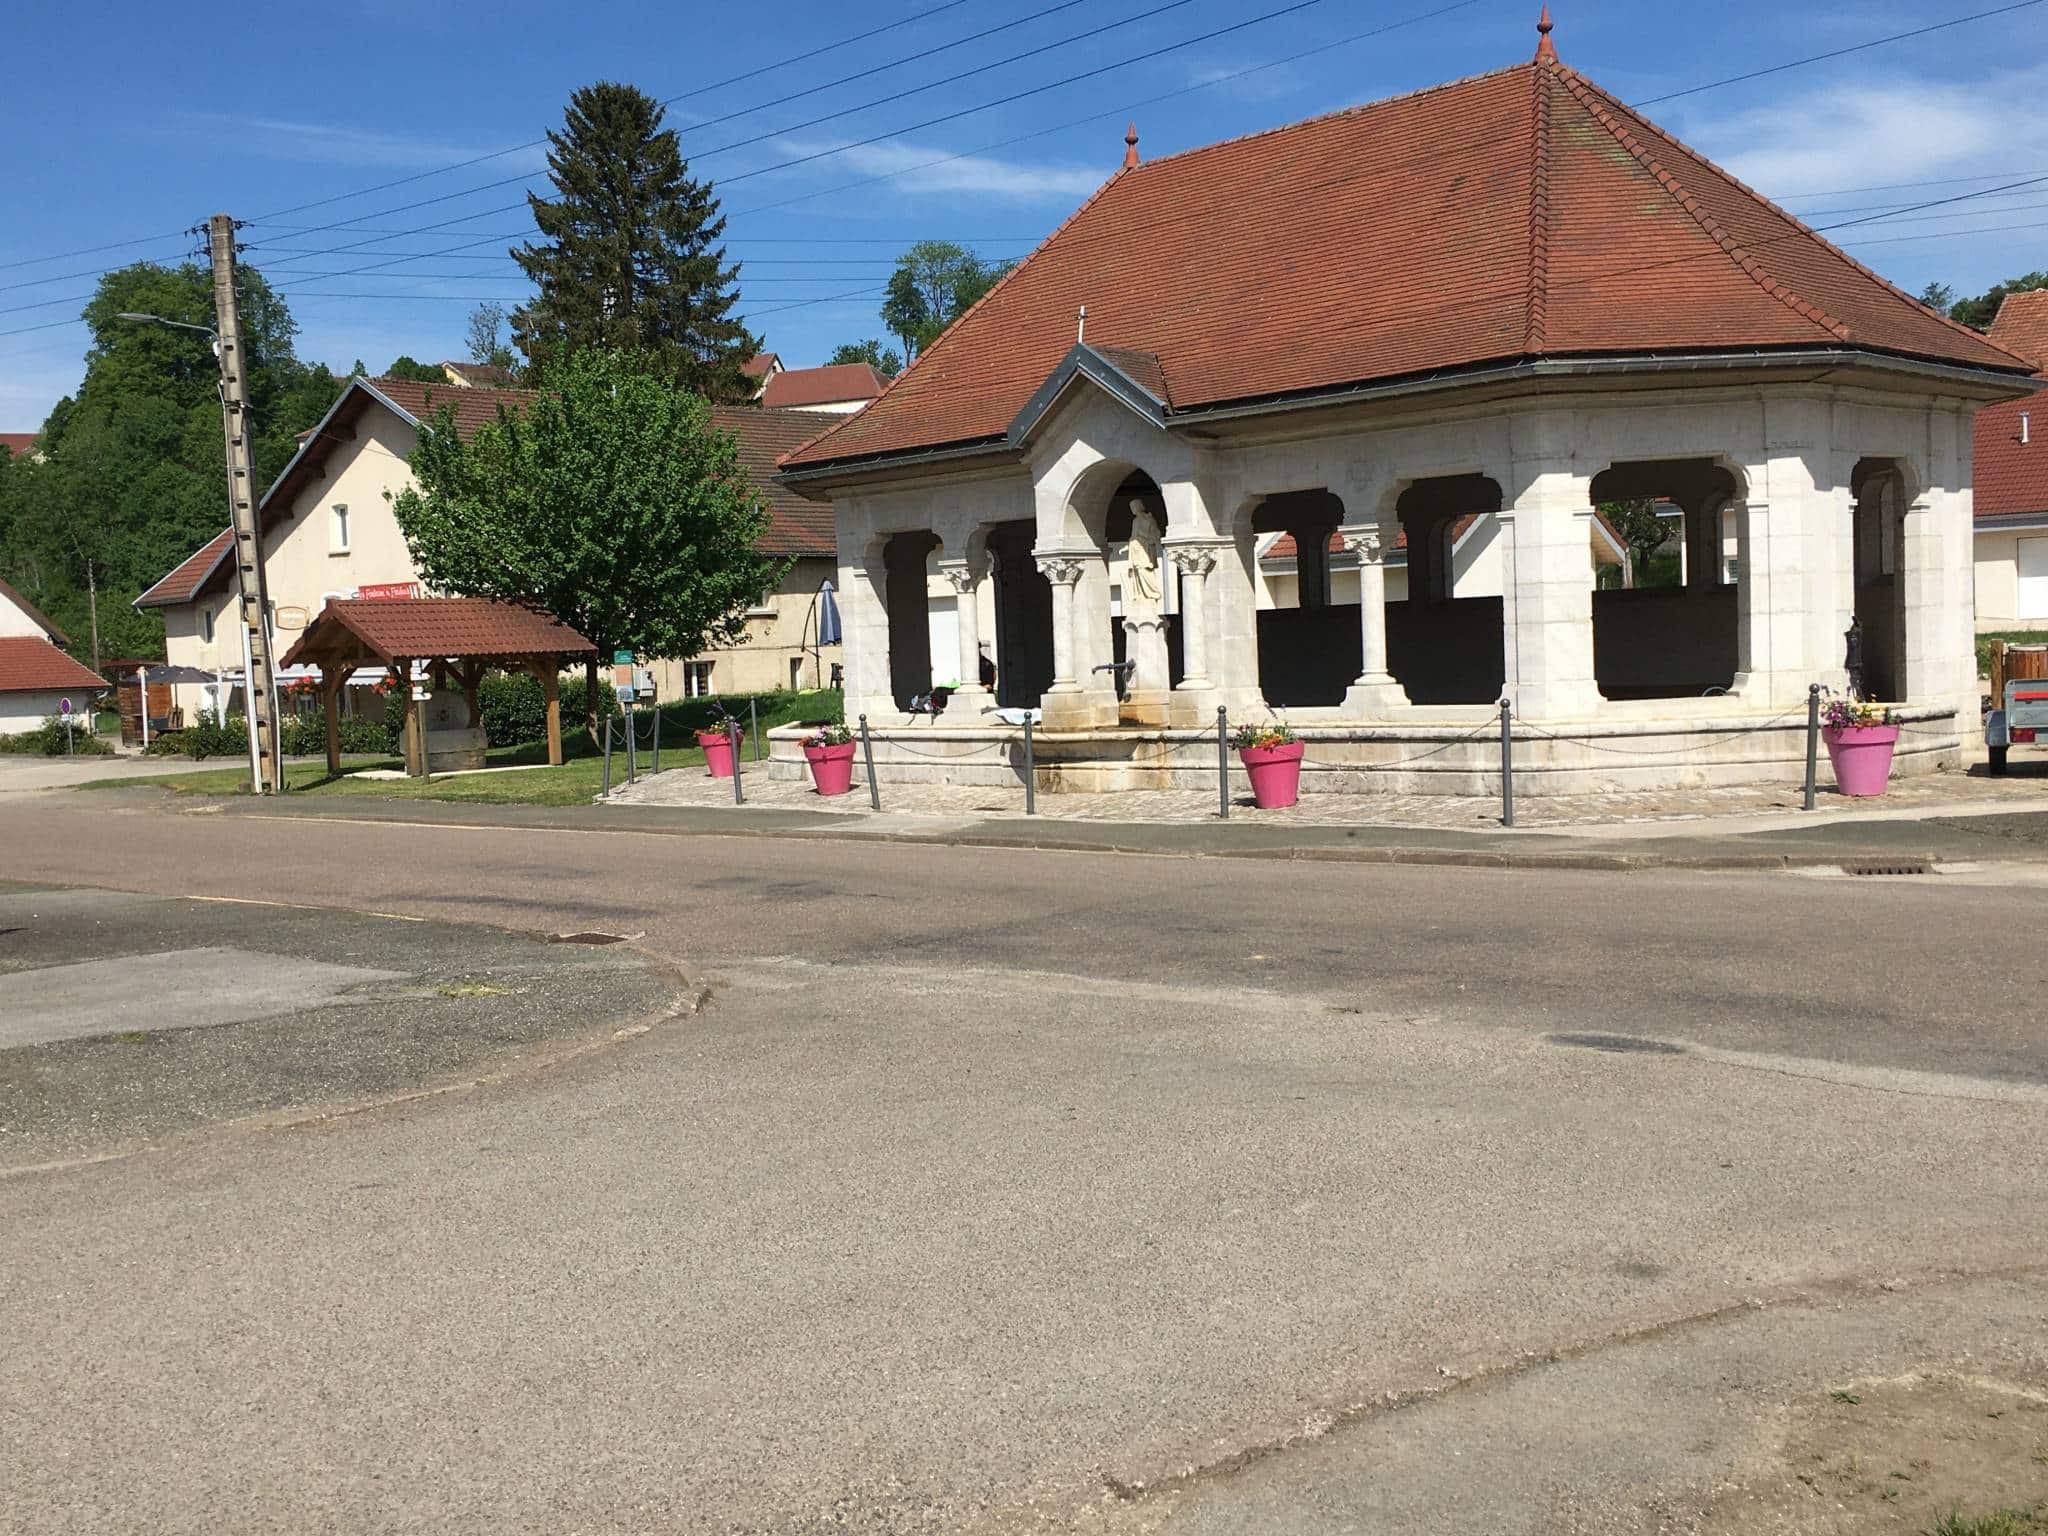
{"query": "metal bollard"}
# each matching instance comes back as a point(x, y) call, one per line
point(1507, 763)
point(867, 752)
point(1812, 738)
point(607, 754)
point(1030, 771)
point(754, 716)
point(657, 740)
point(632, 745)
point(1223, 762)
point(732, 740)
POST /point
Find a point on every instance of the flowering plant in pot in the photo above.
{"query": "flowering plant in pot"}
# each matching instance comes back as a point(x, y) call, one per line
point(1861, 737)
point(1271, 755)
point(829, 751)
point(717, 740)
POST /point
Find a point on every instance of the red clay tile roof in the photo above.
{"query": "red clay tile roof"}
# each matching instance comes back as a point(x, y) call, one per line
point(425, 628)
point(833, 384)
point(2021, 326)
point(760, 365)
point(32, 613)
point(1520, 214)
point(17, 443)
point(2011, 477)
point(475, 405)
point(29, 663)
point(796, 525)
point(190, 576)
point(490, 375)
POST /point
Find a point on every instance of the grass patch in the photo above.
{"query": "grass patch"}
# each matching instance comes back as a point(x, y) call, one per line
point(576, 782)
point(2010, 637)
point(1999, 1522)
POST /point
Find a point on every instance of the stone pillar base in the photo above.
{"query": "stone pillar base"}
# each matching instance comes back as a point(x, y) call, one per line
point(964, 705)
point(1145, 706)
point(1372, 698)
point(1076, 709)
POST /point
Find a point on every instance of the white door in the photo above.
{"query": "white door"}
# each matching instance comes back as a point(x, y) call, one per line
point(945, 633)
point(2033, 578)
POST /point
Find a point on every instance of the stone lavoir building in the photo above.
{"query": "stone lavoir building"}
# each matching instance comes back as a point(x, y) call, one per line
point(1509, 298)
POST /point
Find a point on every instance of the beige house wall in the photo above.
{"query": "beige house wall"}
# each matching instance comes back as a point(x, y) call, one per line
point(1999, 603)
point(777, 637)
point(14, 622)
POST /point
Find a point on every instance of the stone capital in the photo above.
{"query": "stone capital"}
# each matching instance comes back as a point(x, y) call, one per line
point(964, 575)
point(1061, 570)
point(1194, 559)
point(1367, 542)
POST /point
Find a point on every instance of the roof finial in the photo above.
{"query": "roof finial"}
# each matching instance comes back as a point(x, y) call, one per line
point(1130, 146)
point(1544, 49)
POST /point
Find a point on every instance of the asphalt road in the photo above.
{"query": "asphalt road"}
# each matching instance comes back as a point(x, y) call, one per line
point(1017, 1190)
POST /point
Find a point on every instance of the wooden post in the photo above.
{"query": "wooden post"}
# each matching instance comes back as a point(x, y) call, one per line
point(333, 678)
point(551, 689)
point(411, 732)
point(1998, 674)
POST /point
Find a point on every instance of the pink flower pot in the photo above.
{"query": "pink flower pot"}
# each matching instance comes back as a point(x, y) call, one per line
point(1275, 773)
point(831, 767)
point(1862, 756)
point(717, 753)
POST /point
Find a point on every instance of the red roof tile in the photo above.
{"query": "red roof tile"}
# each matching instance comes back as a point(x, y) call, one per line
point(33, 614)
point(2011, 477)
point(796, 525)
point(475, 405)
point(760, 365)
point(1517, 214)
point(489, 375)
point(2021, 326)
point(29, 663)
point(17, 443)
point(190, 576)
point(426, 628)
point(834, 384)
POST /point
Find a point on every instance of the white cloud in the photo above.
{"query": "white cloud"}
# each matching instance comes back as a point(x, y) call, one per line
point(922, 170)
point(332, 144)
point(1880, 130)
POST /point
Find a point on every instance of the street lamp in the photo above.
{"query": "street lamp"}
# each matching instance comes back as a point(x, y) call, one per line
point(251, 586)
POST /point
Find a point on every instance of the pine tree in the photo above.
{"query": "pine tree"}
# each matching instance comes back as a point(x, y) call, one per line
point(630, 258)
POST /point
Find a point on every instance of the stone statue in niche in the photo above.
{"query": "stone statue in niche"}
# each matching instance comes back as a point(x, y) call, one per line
point(1145, 698)
point(1141, 561)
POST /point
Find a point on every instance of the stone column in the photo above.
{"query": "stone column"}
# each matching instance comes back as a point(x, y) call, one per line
point(965, 576)
point(1063, 702)
point(1195, 562)
point(1753, 610)
point(1550, 575)
point(1375, 692)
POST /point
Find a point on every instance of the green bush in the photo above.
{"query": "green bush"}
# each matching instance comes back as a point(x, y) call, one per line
point(53, 739)
point(203, 739)
point(306, 736)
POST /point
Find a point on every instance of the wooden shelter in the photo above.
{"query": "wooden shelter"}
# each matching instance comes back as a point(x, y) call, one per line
point(458, 637)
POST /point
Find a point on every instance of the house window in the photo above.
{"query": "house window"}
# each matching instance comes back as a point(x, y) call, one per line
point(337, 528)
point(206, 625)
point(763, 607)
point(796, 673)
point(696, 679)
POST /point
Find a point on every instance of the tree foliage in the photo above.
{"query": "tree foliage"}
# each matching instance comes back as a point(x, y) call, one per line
point(884, 360)
point(934, 283)
point(131, 477)
point(486, 337)
point(629, 255)
point(1640, 528)
point(1938, 297)
point(1980, 311)
point(612, 501)
point(406, 367)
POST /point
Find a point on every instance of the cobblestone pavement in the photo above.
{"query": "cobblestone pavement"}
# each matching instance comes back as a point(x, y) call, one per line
point(692, 787)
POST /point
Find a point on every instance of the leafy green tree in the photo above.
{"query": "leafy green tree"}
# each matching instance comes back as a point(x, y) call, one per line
point(870, 351)
point(131, 478)
point(1641, 529)
point(406, 367)
point(629, 255)
point(1979, 312)
point(612, 501)
point(1938, 297)
point(934, 283)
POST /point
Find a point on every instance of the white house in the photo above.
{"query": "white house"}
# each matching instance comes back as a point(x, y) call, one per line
point(37, 678)
point(2012, 481)
point(1507, 298)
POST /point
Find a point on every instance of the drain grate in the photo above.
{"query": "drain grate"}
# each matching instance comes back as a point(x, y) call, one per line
point(1619, 1043)
point(1889, 867)
point(588, 937)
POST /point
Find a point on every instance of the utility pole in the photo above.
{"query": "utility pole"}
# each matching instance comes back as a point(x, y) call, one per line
point(92, 599)
point(266, 758)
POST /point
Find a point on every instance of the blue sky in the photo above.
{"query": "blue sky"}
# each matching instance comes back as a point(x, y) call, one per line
point(117, 134)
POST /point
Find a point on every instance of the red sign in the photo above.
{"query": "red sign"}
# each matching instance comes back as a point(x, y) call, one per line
point(389, 589)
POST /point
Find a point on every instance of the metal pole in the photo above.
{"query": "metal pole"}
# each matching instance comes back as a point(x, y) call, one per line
point(607, 754)
point(1812, 737)
point(632, 745)
point(1223, 762)
point(142, 686)
point(754, 716)
point(732, 740)
point(867, 752)
point(657, 740)
point(1507, 763)
point(1030, 770)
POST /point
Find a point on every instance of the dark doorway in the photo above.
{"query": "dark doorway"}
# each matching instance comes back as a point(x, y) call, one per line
point(1879, 530)
point(1442, 648)
point(1670, 632)
point(908, 595)
point(1023, 616)
point(1308, 653)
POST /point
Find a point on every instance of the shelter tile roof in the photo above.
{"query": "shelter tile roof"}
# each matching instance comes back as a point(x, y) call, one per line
point(1516, 215)
point(834, 384)
point(2010, 458)
point(426, 628)
point(2021, 326)
point(29, 663)
point(190, 575)
point(33, 614)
